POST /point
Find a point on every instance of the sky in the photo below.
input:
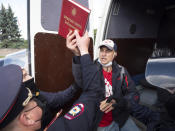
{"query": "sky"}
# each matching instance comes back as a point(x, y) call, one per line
point(19, 8)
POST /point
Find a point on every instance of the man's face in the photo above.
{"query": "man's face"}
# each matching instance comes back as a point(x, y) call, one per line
point(34, 113)
point(26, 76)
point(106, 55)
point(32, 109)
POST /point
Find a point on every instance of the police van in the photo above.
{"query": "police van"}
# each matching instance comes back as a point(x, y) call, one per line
point(144, 31)
point(139, 27)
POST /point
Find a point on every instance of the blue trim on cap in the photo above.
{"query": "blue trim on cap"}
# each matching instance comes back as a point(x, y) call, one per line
point(115, 47)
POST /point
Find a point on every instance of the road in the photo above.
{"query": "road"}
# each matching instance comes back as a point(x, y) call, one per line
point(4, 51)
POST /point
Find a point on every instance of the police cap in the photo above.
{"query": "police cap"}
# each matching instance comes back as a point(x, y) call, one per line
point(13, 93)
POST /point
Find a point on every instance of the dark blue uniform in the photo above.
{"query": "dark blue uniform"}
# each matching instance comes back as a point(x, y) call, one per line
point(82, 114)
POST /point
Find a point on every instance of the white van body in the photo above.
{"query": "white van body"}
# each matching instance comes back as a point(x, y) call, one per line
point(137, 26)
point(41, 21)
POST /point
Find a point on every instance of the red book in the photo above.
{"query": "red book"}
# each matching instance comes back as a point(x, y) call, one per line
point(73, 16)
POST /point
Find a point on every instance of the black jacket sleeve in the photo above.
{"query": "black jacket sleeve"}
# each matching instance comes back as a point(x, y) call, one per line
point(76, 70)
point(129, 92)
point(140, 112)
point(57, 100)
point(129, 88)
point(88, 98)
point(90, 74)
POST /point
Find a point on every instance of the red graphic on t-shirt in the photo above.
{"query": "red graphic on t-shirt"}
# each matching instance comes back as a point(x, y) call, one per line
point(107, 117)
point(108, 83)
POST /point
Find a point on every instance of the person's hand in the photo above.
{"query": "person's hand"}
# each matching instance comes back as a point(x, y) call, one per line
point(71, 43)
point(26, 76)
point(82, 42)
point(107, 107)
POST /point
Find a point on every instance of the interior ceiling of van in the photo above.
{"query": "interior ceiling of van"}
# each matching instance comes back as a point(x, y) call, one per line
point(136, 26)
point(168, 3)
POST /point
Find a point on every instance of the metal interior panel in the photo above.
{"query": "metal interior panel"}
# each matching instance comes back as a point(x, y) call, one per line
point(134, 53)
point(135, 19)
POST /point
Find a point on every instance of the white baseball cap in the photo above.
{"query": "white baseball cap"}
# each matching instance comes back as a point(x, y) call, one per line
point(109, 44)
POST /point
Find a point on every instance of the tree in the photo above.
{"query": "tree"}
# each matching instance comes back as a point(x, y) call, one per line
point(3, 22)
point(13, 30)
point(9, 29)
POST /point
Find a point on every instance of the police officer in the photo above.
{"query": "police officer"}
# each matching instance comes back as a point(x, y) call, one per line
point(82, 114)
point(19, 110)
point(23, 109)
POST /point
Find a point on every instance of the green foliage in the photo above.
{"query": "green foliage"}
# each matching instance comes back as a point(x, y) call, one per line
point(13, 30)
point(95, 32)
point(20, 44)
point(9, 30)
point(3, 17)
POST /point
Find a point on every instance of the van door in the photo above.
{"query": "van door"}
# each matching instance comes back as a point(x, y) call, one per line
point(52, 60)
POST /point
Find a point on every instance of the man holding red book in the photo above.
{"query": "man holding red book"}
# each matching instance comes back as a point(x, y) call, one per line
point(120, 98)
